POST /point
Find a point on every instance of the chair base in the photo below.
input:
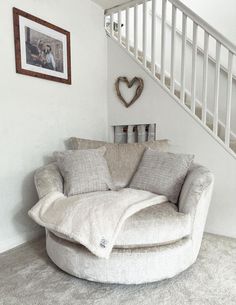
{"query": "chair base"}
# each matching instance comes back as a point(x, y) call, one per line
point(125, 266)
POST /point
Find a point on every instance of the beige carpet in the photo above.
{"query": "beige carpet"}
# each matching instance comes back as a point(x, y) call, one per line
point(28, 277)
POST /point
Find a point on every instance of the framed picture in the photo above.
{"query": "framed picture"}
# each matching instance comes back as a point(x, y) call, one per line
point(41, 48)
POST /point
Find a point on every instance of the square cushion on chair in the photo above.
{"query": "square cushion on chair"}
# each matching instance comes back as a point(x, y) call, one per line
point(122, 159)
point(84, 171)
point(162, 173)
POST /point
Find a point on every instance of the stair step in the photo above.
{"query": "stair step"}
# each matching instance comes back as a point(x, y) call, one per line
point(233, 145)
point(198, 109)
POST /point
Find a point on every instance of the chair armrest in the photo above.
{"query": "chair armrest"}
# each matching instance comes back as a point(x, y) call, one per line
point(195, 199)
point(199, 182)
point(48, 179)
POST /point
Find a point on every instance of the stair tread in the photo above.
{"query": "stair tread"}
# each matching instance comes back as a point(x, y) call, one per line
point(233, 145)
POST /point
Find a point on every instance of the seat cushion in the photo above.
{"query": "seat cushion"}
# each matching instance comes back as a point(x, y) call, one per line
point(122, 159)
point(154, 226)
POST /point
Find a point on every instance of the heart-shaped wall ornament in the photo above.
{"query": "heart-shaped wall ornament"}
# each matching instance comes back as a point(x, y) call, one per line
point(134, 81)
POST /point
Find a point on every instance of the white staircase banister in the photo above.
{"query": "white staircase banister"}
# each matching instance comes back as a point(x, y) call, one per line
point(190, 14)
point(144, 52)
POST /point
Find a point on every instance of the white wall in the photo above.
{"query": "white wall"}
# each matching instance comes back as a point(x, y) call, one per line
point(186, 135)
point(36, 116)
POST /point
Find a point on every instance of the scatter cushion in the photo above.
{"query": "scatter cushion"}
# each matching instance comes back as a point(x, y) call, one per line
point(162, 173)
point(122, 159)
point(157, 225)
point(84, 171)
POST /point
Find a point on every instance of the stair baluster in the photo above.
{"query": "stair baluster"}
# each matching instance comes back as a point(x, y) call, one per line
point(229, 99)
point(184, 37)
point(154, 39)
point(163, 40)
point(217, 87)
point(145, 33)
point(173, 46)
point(205, 77)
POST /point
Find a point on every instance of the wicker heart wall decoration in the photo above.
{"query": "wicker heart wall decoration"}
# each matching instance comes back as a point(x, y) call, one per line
point(135, 81)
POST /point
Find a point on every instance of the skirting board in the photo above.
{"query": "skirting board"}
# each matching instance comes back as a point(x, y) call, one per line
point(8, 244)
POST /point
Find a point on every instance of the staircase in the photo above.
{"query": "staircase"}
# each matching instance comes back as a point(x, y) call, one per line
point(135, 26)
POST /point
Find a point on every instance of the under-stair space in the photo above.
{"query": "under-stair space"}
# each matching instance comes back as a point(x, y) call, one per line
point(192, 61)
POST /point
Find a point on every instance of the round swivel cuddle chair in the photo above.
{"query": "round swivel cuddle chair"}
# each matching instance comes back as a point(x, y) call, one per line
point(155, 244)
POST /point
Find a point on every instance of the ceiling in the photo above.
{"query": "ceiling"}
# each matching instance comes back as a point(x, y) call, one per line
point(109, 3)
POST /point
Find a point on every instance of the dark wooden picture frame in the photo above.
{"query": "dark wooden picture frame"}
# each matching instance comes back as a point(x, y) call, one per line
point(43, 63)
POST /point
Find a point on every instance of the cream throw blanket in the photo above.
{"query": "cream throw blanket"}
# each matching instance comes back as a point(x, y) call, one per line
point(93, 219)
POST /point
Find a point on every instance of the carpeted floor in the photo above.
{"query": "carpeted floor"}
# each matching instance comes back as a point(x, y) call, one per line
point(28, 277)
